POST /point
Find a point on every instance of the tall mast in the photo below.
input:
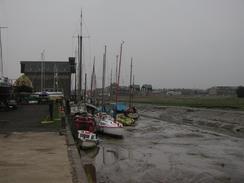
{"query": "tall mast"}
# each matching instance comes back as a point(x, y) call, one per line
point(80, 61)
point(117, 86)
point(92, 76)
point(111, 81)
point(116, 72)
point(77, 56)
point(132, 96)
point(95, 86)
point(130, 89)
point(104, 75)
point(85, 89)
point(75, 89)
point(1, 52)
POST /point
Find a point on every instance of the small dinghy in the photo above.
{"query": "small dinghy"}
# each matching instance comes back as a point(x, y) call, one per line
point(87, 140)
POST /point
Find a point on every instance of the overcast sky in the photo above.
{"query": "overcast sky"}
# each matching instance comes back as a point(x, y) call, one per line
point(174, 43)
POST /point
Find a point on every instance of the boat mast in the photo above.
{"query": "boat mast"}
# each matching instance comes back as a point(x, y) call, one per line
point(116, 72)
point(117, 86)
point(132, 95)
point(80, 62)
point(95, 87)
point(104, 76)
point(85, 88)
point(130, 89)
point(111, 81)
point(77, 56)
point(92, 76)
point(1, 52)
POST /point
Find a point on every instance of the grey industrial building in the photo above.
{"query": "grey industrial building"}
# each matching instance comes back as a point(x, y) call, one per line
point(49, 75)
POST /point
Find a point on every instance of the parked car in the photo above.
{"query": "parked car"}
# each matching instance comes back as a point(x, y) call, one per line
point(33, 99)
point(12, 104)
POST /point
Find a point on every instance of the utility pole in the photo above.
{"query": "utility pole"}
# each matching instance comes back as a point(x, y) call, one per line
point(1, 52)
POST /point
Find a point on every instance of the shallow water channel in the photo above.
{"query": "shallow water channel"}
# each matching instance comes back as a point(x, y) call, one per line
point(158, 151)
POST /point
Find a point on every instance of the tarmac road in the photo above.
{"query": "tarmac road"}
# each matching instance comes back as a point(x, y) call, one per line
point(25, 118)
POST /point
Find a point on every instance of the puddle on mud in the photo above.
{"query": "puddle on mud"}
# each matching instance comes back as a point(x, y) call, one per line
point(157, 151)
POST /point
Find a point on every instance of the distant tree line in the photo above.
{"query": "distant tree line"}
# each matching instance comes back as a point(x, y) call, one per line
point(240, 91)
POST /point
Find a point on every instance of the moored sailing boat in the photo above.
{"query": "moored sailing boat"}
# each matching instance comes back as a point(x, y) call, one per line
point(107, 125)
point(104, 122)
point(131, 112)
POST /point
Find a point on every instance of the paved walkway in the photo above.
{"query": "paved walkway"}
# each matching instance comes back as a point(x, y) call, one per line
point(34, 157)
point(29, 152)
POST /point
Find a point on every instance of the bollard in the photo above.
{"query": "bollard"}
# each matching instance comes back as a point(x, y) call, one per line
point(51, 110)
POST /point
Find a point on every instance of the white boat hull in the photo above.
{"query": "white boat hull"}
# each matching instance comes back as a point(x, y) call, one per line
point(114, 131)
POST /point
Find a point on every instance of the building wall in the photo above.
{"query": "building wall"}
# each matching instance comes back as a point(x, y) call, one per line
point(56, 75)
point(222, 90)
point(62, 82)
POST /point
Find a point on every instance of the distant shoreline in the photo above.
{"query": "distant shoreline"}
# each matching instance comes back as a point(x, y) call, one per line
point(212, 102)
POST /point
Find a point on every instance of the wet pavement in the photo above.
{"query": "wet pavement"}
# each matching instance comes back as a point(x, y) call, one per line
point(158, 151)
point(39, 157)
point(30, 151)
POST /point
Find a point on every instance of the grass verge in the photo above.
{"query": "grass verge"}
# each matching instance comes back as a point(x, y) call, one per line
point(57, 115)
point(218, 102)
